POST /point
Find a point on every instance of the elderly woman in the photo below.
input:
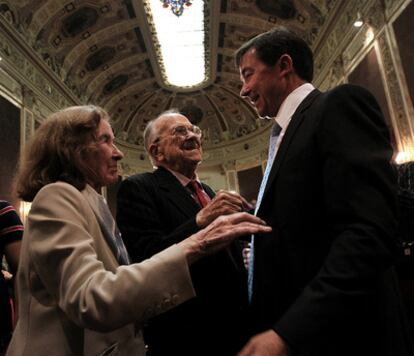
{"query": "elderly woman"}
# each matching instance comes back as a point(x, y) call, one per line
point(78, 294)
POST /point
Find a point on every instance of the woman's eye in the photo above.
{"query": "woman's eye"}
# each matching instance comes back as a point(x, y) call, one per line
point(104, 139)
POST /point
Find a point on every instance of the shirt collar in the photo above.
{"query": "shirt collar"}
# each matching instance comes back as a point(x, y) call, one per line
point(291, 103)
point(182, 178)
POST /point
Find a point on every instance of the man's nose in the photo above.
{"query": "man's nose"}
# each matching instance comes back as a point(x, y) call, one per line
point(244, 91)
point(191, 133)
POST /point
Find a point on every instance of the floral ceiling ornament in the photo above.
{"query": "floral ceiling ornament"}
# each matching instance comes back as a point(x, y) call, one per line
point(177, 6)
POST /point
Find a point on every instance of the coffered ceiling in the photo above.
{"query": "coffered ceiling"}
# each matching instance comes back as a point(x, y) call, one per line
point(103, 51)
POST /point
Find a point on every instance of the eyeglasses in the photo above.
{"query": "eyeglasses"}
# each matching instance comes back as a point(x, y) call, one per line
point(183, 130)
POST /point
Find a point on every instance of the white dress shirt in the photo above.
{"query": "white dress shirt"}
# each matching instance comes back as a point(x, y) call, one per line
point(288, 108)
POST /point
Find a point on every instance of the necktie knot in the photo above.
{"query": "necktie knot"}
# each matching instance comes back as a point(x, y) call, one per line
point(193, 185)
point(276, 128)
point(198, 192)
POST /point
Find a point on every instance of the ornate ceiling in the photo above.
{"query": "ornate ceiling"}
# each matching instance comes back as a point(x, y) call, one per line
point(104, 53)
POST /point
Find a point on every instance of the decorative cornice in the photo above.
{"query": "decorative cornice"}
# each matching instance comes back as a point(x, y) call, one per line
point(339, 37)
point(400, 120)
point(28, 67)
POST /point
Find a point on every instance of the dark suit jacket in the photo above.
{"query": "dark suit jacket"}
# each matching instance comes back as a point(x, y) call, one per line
point(155, 211)
point(323, 279)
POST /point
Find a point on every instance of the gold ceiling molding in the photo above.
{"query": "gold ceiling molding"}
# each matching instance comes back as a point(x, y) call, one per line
point(131, 84)
point(27, 67)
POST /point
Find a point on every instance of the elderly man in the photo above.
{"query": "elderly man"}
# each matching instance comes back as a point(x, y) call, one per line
point(322, 281)
point(159, 209)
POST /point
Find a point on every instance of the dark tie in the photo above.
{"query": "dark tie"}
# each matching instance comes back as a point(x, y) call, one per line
point(198, 192)
point(272, 149)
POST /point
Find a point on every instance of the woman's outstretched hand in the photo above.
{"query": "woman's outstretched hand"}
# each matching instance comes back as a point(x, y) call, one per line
point(220, 233)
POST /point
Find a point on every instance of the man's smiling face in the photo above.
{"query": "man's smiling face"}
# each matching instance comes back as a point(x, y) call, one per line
point(178, 146)
point(263, 85)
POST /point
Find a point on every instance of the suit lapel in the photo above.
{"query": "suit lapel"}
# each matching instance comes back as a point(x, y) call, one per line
point(208, 190)
point(183, 201)
point(176, 193)
point(295, 122)
point(93, 199)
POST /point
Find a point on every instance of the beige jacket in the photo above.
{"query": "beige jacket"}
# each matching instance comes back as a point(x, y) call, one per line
point(74, 297)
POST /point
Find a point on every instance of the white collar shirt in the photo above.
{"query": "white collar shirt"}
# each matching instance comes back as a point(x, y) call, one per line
point(182, 178)
point(288, 108)
point(185, 181)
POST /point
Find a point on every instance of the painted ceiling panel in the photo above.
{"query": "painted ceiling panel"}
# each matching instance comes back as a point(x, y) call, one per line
point(98, 48)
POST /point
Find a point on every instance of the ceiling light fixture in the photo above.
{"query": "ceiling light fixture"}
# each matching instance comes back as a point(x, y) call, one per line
point(358, 22)
point(405, 156)
point(181, 44)
point(176, 6)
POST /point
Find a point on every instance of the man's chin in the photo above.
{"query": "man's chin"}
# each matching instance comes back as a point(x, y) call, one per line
point(196, 161)
point(264, 114)
point(261, 115)
point(194, 154)
point(192, 159)
point(265, 117)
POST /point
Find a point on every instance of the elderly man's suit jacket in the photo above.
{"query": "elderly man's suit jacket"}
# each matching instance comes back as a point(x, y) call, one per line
point(323, 279)
point(74, 298)
point(156, 211)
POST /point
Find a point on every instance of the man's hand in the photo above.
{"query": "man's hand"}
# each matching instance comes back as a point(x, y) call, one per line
point(267, 343)
point(220, 233)
point(224, 203)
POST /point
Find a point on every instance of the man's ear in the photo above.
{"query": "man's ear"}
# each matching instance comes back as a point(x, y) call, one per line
point(286, 64)
point(153, 151)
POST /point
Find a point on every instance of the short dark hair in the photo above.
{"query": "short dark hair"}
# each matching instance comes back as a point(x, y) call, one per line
point(58, 149)
point(271, 45)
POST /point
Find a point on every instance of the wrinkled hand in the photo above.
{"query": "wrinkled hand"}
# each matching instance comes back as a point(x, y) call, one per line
point(267, 343)
point(224, 203)
point(220, 233)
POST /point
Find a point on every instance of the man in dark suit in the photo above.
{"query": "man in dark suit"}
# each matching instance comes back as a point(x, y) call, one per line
point(322, 281)
point(159, 209)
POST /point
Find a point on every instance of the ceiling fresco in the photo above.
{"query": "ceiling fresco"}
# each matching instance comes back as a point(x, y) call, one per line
point(102, 50)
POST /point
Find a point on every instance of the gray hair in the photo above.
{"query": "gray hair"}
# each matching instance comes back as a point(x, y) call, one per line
point(149, 129)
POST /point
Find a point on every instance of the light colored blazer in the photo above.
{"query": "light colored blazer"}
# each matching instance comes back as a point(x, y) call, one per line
point(74, 298)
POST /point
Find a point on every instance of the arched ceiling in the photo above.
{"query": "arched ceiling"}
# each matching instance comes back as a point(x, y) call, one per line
point(103, 51)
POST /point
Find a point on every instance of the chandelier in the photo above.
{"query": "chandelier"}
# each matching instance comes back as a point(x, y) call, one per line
point(177, 6)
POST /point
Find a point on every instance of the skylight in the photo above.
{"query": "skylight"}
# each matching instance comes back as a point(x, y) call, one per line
point(181, 41)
